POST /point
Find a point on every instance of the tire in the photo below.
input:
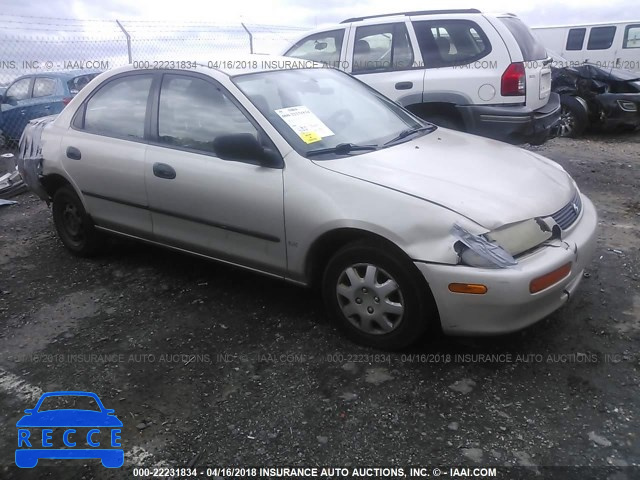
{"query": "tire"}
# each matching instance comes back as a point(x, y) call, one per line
point(444, 121)
point(75, 228)
point(377, 297)
point(573, 117)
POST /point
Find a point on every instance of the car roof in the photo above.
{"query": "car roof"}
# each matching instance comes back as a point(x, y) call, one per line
point(413, 14)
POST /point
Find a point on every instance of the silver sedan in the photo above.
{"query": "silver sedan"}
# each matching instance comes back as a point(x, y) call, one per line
point(309, 175)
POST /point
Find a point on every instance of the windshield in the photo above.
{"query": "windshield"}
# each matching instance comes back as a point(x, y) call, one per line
point(317, 110)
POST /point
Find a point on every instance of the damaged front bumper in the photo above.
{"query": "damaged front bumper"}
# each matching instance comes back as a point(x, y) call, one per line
point(30, 155)
point(619, 110)
point(508, 304)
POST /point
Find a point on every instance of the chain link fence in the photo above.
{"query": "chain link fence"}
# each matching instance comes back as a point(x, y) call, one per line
point(38, 44)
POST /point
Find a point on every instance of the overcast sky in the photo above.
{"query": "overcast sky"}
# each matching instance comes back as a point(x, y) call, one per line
point(311, 13)
point(59, 31)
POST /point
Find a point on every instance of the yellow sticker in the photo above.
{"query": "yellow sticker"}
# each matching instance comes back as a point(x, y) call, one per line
point(310, 137)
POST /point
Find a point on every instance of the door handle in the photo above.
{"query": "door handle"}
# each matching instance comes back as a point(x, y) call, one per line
point(23, 112)
point(47, 107)
point(73, 153)
point(404, 85)
point(162, 170)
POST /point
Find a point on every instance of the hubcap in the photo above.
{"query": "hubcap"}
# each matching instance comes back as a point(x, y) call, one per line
point(72, 222)
point(370, 299)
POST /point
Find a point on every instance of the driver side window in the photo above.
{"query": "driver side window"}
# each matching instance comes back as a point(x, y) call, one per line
point(194, 113)
point(322, 47)
point(19, 90)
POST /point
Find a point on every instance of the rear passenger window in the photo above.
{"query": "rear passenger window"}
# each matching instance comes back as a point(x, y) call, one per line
point(446, 43)
point(631, 37)
point(601, 38)
point(322, 47)
point(44, 87)
point(381, 48)
point(193, 113)
point(119, 108)
point(575, 40)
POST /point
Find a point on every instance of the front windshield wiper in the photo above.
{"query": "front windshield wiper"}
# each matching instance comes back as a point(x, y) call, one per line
point(411, 131)
point(342, 149)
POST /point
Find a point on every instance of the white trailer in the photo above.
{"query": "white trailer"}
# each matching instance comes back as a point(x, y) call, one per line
point(607, 44)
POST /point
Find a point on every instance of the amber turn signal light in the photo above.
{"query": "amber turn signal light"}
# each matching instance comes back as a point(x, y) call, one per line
point(472, 288)
point(545, 281)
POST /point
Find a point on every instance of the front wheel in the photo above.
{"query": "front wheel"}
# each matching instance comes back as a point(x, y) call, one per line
point(75, 228)
point(377, 297)
point(573, 117)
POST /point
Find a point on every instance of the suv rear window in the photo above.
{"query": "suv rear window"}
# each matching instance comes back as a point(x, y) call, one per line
point(445, 43)
point(530, 47)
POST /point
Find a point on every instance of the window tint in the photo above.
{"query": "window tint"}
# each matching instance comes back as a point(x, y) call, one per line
point(601, 38)
point(119, 107)
point(531, 48)
point(43, 87)
point(631, 36)
point(322, 47)
point(445, 43)
point(382, 48)
point(20, 89)
point(194, 112)
point(575, 40)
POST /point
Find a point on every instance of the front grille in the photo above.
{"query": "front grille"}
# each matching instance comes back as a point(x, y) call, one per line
point(567, 215)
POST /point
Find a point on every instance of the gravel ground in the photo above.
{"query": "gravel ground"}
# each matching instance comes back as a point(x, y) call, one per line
point(207, 365)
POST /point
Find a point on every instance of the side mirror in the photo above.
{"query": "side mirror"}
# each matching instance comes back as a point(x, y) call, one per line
point(245, 147)
point(9, 100)
point(29, 411)
point(320, 45)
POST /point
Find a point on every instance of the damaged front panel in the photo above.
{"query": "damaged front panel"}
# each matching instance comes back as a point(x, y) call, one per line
point(30, 155)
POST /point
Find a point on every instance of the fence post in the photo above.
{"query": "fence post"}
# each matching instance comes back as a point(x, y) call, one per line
point(250, 37)
point(128, 39)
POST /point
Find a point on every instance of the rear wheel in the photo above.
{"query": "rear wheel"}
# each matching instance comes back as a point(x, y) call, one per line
point(377, 297)
point(74, 226)
point(573, 117)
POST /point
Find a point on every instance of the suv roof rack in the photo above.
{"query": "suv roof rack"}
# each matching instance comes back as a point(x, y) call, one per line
point(418, 12)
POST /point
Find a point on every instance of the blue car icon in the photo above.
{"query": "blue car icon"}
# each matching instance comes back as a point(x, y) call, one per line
point(86, 433)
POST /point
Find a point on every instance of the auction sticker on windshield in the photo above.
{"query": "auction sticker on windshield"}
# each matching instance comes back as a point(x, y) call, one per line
point(305, 123)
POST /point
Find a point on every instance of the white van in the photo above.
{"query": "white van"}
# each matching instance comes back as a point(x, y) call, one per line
point(607, 44)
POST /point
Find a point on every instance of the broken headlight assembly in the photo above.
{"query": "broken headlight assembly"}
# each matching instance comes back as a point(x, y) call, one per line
point(497, 248)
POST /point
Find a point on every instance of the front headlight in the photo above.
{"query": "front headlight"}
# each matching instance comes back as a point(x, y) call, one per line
point(478, 251)
point(496, 249)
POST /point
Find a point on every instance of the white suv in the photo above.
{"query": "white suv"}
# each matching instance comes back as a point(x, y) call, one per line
point(462, 69)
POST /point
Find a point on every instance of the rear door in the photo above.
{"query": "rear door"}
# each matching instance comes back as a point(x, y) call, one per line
point(47, 96)
point(104, 153)
point(537, 64)
point(463, 59)
point(385, 56)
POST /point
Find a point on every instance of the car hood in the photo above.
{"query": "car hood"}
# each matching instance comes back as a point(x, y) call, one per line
point(69, 418)
point(489, 182)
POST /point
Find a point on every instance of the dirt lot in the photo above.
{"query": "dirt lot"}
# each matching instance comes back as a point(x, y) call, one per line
point(211, 366)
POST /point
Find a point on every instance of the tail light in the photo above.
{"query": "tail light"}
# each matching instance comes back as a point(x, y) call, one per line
point(66, 100)
point(514, 80)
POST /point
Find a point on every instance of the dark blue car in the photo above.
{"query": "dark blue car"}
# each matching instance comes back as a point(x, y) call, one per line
point(69, 433)
point(38, 95)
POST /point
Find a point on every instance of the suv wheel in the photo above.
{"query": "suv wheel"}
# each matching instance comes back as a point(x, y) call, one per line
point(573, 117)
point(376, 297)
point(73, 225)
